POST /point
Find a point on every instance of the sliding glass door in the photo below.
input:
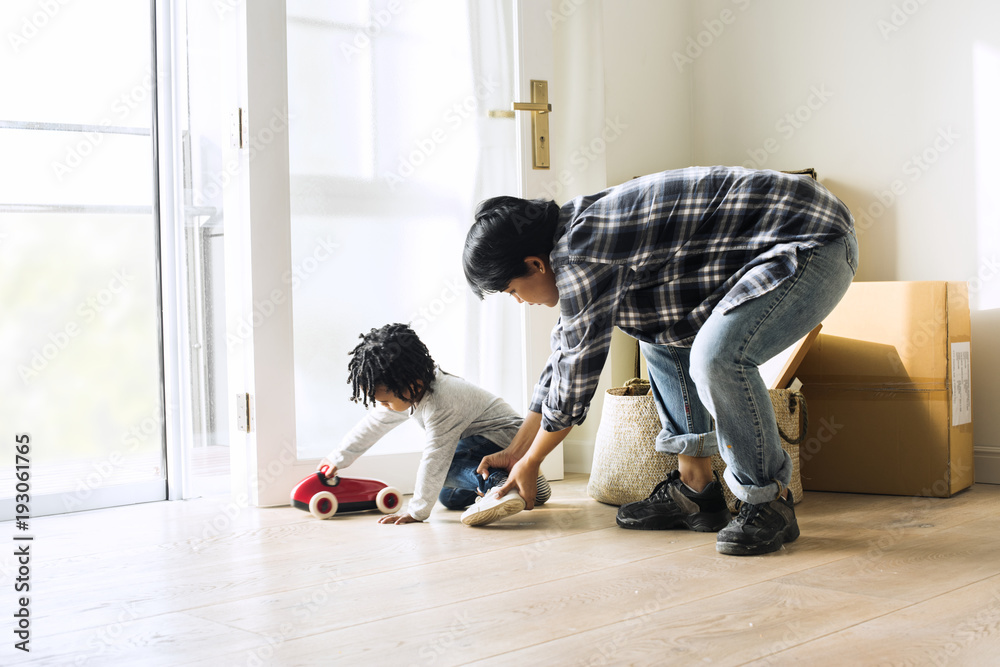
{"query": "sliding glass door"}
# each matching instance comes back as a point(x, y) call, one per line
point(79, 297)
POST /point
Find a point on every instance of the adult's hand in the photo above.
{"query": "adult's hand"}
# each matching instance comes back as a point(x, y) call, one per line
point(524, 477)
point(504, 459)
point(524, 473)
point(518, 447)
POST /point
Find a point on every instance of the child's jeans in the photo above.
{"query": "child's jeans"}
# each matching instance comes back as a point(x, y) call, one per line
point(462, 481)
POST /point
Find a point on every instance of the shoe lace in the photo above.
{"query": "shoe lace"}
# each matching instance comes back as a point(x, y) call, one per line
point(746, 512)
point(660, 490)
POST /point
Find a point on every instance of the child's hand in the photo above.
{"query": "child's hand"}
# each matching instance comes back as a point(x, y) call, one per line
point(332, 469)
point(398, 519)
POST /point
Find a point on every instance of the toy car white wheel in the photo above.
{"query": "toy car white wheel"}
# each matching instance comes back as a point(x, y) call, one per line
point(323, 505)
point(388, 500)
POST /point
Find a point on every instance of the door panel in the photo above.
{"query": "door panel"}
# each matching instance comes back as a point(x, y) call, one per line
point(389, 148)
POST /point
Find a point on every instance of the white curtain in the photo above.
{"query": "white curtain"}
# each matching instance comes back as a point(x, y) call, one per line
point(391, 146)
point(494, 353)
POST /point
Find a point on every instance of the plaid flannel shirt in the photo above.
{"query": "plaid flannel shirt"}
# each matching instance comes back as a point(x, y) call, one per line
point(656, 255)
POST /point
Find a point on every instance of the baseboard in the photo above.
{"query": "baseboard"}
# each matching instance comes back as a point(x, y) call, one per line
point(987, 465)
point(578, 455)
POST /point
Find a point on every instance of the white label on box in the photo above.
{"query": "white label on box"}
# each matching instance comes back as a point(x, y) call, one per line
point(961, 384)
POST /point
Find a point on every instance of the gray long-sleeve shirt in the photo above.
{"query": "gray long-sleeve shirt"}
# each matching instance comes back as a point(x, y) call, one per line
point(452, 410)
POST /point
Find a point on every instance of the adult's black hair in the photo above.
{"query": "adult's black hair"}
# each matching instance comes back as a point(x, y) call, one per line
point(393, 357)
point(505, 231)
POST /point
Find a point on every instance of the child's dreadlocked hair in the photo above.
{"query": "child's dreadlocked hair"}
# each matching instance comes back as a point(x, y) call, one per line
point(393, 357)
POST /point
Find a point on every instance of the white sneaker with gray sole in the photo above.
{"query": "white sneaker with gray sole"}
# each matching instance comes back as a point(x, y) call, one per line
point(490, 508)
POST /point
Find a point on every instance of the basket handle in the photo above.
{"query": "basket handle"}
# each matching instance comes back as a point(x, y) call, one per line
point(795, 399)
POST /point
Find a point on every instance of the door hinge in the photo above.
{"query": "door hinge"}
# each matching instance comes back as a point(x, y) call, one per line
point(245, 418)
point(239, 131)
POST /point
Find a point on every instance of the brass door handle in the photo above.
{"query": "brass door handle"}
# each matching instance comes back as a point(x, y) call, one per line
point(539, 107)
point(531, 106)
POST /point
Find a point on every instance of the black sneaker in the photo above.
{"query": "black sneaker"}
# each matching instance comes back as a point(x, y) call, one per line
point(673, 505)
point(759, 529)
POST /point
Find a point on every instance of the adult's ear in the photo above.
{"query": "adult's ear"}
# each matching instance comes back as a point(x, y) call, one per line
point(535, 264)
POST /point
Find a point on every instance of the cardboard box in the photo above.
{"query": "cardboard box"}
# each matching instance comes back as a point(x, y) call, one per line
point(889, 392)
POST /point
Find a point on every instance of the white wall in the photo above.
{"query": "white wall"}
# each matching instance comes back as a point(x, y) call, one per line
point(612, 121)
point(894, 102)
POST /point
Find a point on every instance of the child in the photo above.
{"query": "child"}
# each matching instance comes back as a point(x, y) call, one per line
point(393, 370)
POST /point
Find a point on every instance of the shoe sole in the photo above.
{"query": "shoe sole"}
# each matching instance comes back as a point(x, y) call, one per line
point(703, 523)
point(790, 534)
point(495, 513)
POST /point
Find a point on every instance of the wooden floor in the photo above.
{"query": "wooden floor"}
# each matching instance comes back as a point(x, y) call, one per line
point(874, 580)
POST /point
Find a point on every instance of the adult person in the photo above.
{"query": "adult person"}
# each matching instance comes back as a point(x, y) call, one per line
point(715, 270)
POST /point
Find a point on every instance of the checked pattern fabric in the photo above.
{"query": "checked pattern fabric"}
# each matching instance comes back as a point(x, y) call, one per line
point(656, 255)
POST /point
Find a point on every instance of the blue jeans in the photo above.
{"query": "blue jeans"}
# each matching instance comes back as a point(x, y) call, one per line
point(718, 376)
point(462, 481)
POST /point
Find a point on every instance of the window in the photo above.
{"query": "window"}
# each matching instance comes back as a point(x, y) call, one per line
point(78, 254)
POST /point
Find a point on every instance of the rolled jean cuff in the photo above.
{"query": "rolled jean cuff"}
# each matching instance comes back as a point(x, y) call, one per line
point(758, 495)
point(689, 444)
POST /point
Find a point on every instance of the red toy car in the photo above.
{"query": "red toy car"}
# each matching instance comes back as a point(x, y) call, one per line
point(324, 497)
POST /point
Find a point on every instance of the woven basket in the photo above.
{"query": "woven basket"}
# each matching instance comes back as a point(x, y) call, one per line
point(626, 464)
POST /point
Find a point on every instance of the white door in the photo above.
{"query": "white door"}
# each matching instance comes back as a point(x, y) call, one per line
point(363, 144)
point(536, 62)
